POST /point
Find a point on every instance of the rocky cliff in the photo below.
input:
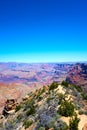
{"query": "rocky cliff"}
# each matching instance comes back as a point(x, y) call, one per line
point(78, 75)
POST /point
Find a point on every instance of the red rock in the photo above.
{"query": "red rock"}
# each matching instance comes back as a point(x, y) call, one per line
point(78, 75)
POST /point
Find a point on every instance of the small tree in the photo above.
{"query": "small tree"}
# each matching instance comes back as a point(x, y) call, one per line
point(18, 107)
point(27, 123)
point(66, 84)
point(31, 111)
point(66, 108)
point(53, 86)
point(73, 123)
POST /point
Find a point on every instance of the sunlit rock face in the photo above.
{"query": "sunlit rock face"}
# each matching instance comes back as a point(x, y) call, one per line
point(78, 75)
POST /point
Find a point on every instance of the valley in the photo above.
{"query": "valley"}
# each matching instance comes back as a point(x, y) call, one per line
point(42, 84)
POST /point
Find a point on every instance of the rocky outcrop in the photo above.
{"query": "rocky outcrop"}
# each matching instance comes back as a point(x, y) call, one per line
point(25, 98)
point(12, 90)
point(10, 106)
point(78, 75)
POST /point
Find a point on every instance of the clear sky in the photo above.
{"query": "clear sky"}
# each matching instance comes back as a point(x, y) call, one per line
point(43, 30)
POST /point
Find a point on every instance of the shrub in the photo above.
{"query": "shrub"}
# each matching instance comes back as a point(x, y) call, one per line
point(78, 88)
point(41, 128)
point(29, 104)
point(73, 123)
point(81, 112)
point(31, 111)
point(43, 90)
point(84, 96)
point(27, 123)
point(40, 98)
point(18, 107)
point(53, 86)
point(66, 108)
point(66, 84)
point(39, 93)
point(20, 116)
point(60, 97)
point(49, 99)
point(51, 123)
point(61, 125)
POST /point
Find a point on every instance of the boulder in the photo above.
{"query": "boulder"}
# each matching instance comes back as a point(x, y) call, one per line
point(25, 98)
point(10, 106)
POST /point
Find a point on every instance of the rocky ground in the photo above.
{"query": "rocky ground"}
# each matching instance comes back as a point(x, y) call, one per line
point(50, 108)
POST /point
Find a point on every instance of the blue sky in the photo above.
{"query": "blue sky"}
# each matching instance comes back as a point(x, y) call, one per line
point(43, 30)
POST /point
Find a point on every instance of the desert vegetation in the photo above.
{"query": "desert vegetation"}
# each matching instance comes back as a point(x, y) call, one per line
point(44, 109)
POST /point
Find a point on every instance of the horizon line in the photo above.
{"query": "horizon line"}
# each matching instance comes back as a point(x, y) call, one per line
point(43, 62)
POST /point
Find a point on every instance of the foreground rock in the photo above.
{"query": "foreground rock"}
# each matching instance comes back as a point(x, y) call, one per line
point(10, 106)
point(12, 90)
point(48, 108)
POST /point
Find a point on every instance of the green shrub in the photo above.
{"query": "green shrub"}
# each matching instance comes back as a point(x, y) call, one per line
point(18, 107)
point(43, 90)
point(31, 111)
point(66, 84)
point(61, 126)
point(84, 96)
point(27, 123)
point(39, 94)
point(78, 88)
point(40, 98)
point(49, 99)
point(41, 128)
point(51, 124)
point(81, 112)
point(53, 86)
point(20, 116)
point(66, 108)
point(73, 123)
point(29, 104)
point(60, 97)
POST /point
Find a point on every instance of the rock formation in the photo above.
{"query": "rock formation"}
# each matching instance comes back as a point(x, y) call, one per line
point(78, 75)
point(10, 106)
